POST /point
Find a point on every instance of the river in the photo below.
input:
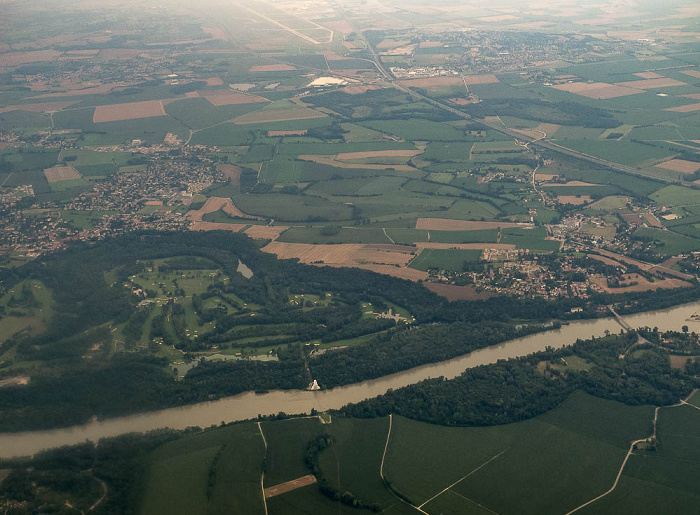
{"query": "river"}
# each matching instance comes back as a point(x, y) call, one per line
point(249, 405)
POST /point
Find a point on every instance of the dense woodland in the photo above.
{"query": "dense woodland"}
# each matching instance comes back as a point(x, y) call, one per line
point(70, 389)
point(518, 389)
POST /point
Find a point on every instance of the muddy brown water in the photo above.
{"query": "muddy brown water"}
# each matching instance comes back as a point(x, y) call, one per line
point(249, 405)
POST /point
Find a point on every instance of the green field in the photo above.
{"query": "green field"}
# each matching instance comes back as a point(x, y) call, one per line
point(446, 259)
point(663, 480)
point(503, 466)
point(623, 152)
point(669, 243)
point(676, 196)
point(179, 475)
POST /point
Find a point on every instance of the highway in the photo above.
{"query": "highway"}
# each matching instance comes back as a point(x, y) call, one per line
point(541, 143)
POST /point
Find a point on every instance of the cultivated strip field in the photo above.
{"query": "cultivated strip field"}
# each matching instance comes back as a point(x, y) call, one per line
point(272, 68)
point(128, 111)
point(464, 246)
point(452, 292)
point(214, 204)
point(332, 161)
point(446, 224)
point(17, 58)
point(685, 109)
point(225, 98)
point(386, 259)
point(216, 226)
point(347, 156)
point(61, 173)
point(652, 83)
point(38, 108)
point(278, 115)
point(265, 232)
point(642, 284)
point(272, 491)
point(231, 172)
point(680, 165)
point(597, 90)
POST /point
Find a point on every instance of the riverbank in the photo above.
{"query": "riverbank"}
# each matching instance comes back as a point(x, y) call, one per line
point(249, 405)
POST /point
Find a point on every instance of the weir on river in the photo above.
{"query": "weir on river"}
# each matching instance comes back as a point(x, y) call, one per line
point(249, 405)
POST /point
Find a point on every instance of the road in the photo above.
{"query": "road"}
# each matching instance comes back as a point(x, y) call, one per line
point(539, 142)
point(631, 449)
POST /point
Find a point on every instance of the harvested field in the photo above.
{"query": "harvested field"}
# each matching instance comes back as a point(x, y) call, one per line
point(692, 73)
point(574, 200)
point(128, 111)
point(692, 96)
point(278, 115)
point(642, 284)
point(597, 90)
point(548, 128)
point(265, 232)
point(643, 266)
point(433, 82)
point(18, 58)
point(388, 44)
point(604, 259)
point(431, 44)
point(40, 108)
point(215, 32)
point(631, 218)
point(289, 486)
point(464, 246)
point(342, 26)
point(13, 381)
point(232, 172)
point(650, 219)
point(497, 18)
point(358, 90)
point(649, 75)
point(214, 204)
point(346, 254)
point(331, 161)
point(679, 362)
point(214, 81)
point(272, 68)
point(154, 203)
point(470, 80)
point(401, 272)
point(680, 165)
point(271, 43)
point(685, 109)
point(452, 292)
point(545, 177)
point(345, 156)
point(446, 224)
point(215, 226)
point(101, 89)
point(534, 24)
point(61, 173)
point(228, 97)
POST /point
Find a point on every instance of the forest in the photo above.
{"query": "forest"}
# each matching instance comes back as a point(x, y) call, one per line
point(66, 388)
